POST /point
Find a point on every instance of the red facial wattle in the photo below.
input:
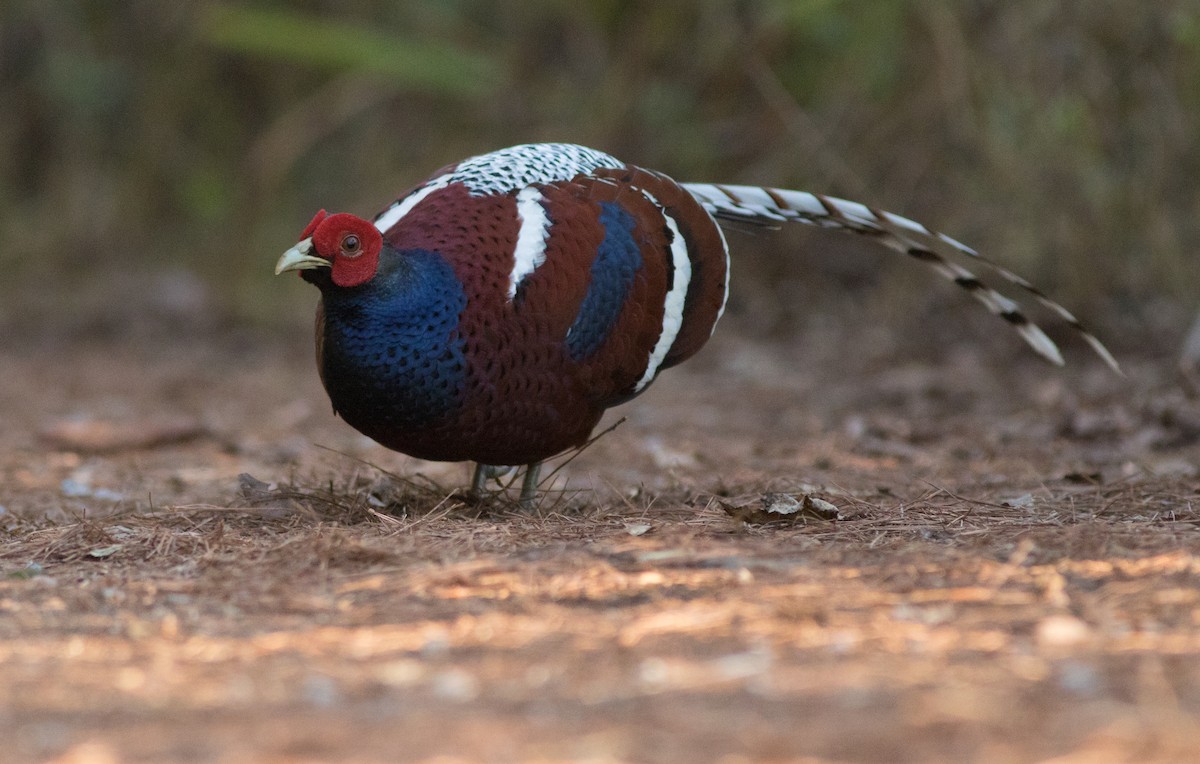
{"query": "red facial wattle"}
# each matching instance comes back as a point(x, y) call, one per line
point(351, 244)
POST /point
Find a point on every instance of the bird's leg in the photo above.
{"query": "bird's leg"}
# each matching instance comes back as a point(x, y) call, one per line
point(478, 479)
point(529, 485)
point(484, 473)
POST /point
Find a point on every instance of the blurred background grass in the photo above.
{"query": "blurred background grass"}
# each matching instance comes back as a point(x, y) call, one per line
point(155, 158)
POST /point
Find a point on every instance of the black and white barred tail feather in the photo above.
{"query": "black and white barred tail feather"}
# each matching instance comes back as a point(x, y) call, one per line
point(771, 206)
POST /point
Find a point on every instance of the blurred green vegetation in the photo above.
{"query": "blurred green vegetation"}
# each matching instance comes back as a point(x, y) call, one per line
point(167, 152)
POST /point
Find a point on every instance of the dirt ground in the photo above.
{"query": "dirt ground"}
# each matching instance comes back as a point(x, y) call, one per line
point(1011, 573)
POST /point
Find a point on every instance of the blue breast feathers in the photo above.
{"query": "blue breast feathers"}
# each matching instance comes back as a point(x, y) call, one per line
point(612, 274)
point(391, 354)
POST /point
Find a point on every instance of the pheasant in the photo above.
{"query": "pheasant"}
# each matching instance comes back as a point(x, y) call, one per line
point(495, 311)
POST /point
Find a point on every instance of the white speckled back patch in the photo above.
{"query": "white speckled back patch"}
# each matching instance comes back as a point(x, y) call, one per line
point(507, 170)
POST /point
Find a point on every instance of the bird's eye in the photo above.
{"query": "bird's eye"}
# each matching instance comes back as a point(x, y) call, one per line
point(351, 246)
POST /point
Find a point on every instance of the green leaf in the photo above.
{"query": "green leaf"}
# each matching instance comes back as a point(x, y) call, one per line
point(312, 41)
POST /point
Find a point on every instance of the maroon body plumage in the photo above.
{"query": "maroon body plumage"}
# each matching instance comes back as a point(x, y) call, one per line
point(577, 293)
point(496, 310)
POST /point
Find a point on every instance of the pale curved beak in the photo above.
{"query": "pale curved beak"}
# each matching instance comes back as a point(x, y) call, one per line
point(299, 258)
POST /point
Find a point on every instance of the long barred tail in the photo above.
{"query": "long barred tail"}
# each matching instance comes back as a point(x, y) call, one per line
point(771, 206)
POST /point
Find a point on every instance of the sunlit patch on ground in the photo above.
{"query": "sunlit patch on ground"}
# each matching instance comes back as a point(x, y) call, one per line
point(1007, 571)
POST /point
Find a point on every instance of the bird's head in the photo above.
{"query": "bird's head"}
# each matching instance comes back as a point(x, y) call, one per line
point(345, 244)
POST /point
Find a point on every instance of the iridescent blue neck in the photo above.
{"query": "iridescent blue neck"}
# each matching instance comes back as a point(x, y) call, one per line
point(391, 355)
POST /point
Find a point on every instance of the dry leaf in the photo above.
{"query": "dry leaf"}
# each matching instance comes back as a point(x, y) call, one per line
point(783, 508)
point(96, 436)
point(105, 551)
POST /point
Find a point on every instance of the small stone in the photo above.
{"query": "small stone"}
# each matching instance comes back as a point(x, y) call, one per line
point(455, 685)
point(1062, 631)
